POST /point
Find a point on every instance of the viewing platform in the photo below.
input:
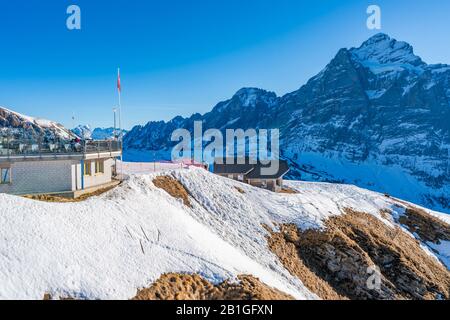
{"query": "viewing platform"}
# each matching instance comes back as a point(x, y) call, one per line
point(27, 149)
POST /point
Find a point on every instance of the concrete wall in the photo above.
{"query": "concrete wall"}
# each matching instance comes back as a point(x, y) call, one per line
point(98, 179)
point(39, 177)
point(237, 177)
point(265, 184)
point(76, 176)
point(270, 184)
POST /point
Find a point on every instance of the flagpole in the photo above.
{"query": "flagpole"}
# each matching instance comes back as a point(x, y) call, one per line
point(120, 121)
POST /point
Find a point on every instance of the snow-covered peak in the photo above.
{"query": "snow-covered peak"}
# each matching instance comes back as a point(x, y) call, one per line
point(379, 37)
point(382, 49)
point(83, 131)
point(249, 97)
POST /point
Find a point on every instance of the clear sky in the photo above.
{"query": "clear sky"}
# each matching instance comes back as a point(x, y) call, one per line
point(178, 57)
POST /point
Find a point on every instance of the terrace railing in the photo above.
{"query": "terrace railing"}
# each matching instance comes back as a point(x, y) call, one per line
point(12, 146)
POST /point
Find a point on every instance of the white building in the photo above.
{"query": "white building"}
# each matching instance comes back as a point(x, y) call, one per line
point(27, 168)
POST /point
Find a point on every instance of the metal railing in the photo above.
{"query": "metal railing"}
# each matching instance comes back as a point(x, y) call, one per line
point(13, 146)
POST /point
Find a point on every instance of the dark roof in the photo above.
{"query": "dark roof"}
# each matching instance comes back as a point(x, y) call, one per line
point(257, 173)
point(231, 166)
point(252, 171)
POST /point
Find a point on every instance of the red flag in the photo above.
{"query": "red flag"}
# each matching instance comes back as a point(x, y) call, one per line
point(118, 81)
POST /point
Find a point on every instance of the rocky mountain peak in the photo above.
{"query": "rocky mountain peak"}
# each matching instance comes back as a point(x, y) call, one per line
point(382, 49)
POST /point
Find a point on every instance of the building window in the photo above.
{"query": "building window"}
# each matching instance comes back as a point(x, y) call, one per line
point(99, 167)
point(5, 175)
point(87, 168)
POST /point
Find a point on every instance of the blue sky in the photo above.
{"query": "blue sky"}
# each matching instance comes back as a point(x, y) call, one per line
point(178, 57)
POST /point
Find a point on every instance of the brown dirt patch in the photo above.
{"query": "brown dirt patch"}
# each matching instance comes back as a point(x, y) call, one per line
point(48, 297)
point(341, 254)
point(240, 190)
point(427, 227)
point(51, 198)
point(288, 191)
point(173, 187)
point(176, 286)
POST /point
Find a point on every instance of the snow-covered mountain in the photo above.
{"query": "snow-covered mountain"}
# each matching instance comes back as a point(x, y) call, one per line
point(16, 124)
point(86, 132)
point(318, 242)
point(375, 116)
point(83, 131)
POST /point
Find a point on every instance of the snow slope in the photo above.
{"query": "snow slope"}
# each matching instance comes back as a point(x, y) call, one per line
point(109, 246)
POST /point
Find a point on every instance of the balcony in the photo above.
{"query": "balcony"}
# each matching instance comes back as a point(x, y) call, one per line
point(28, 149)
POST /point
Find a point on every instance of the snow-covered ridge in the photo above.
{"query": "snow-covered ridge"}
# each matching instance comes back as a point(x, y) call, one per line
point(106, 247)
point(13, 120)
point(83, 131)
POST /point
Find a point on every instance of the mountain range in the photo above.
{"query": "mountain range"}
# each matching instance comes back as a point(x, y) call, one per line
point(17, 125)
point(86, 132)
point(376, 116)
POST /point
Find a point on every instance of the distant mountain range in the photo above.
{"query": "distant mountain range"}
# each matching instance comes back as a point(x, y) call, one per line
point(85, 132)
point(15, 124)
point(376, 116)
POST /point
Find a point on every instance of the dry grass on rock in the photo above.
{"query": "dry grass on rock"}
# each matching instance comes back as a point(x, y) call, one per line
point(176, 286)
point(333, 263)
point(287, 190)
point(240, 190)
point(427, 227)
point(173, 187)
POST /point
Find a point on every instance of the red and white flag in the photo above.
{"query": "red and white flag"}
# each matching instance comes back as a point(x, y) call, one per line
point(118, 81)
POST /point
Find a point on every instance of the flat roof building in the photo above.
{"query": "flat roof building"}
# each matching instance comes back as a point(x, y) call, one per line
point(66, 167)
point(253, 173)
